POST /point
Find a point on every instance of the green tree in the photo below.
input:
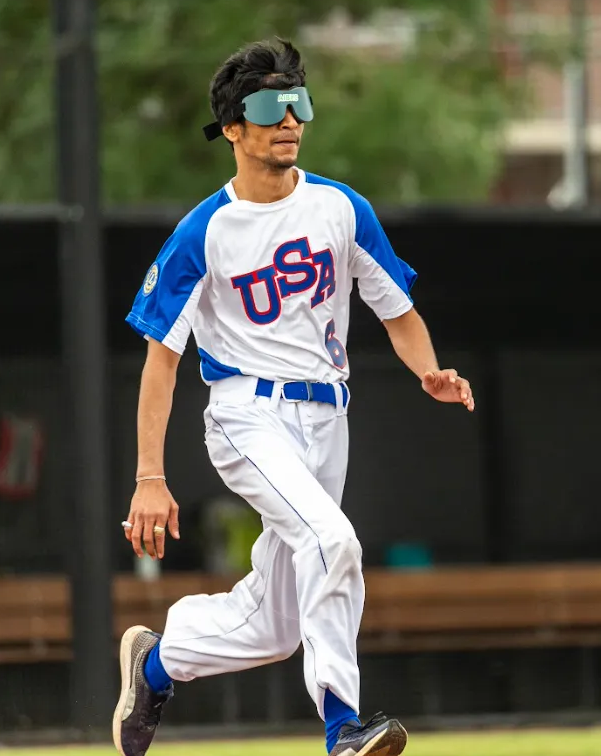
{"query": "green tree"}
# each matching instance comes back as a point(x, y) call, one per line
point(26, 125)
point(421, 125)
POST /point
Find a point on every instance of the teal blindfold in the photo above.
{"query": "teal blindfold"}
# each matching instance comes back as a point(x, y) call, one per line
point(268, 107)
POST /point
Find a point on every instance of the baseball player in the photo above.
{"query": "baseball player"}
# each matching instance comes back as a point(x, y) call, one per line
point(261, 273)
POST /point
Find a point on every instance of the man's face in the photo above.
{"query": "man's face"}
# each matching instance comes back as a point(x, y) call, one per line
point(276, 147)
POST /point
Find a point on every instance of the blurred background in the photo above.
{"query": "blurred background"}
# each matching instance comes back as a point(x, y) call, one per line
point(474, 127)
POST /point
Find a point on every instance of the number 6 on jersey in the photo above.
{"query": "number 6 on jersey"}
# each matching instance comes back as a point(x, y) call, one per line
point(335, 347)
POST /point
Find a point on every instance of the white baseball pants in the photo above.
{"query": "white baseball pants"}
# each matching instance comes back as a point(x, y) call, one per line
point(288, 460)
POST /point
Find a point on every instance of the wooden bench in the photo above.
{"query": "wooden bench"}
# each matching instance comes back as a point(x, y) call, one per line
point(478, 608)
point(437, 610)
point(35, 611)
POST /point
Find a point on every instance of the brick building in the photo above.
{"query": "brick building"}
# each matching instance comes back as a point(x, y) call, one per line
point(535, 148)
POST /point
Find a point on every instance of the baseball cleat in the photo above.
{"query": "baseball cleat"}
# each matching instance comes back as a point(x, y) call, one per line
point(378, 737)
point(139, 709)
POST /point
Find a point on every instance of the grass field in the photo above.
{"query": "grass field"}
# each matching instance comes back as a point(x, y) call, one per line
point(509, 743)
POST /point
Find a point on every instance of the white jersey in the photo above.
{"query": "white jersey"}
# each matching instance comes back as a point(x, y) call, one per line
point(265, 288)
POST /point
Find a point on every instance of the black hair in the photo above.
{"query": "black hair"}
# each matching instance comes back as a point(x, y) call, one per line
point(260, 65)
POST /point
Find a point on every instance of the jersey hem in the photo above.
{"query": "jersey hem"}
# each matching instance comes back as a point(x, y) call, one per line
point(142, 328)
point(402, 310)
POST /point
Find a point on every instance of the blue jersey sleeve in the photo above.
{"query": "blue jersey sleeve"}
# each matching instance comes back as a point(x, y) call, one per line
point(165, 307)
point(384, 280)
point(165, 304)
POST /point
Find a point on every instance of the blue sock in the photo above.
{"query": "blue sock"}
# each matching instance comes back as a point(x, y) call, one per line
point(154, 671)
point(337, 714)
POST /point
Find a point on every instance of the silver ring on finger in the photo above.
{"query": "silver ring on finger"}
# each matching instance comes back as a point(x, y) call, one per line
point(158, 529)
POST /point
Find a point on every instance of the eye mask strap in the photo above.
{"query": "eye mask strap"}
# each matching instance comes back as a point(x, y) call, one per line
point(214, 130)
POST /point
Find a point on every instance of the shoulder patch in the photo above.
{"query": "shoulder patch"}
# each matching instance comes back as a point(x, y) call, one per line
point(151, 279)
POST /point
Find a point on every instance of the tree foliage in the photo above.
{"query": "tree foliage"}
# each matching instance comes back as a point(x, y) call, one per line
point(421, 125)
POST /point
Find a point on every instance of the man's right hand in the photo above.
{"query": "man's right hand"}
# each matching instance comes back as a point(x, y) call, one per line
point(152, 506)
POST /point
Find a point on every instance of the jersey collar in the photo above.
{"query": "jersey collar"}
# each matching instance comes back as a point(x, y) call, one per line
point(302, 180)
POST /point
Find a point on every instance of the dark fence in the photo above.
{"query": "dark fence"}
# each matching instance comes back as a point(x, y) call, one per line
point(512, 301)
point(486, 279)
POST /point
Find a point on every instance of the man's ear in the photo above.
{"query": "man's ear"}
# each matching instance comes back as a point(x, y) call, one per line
point(232, 131)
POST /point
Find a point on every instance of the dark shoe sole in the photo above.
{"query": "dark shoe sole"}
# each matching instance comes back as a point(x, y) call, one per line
point(389, 742)
point(127, 642)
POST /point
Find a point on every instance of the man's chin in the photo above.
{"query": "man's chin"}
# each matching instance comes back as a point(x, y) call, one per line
point(281, 162)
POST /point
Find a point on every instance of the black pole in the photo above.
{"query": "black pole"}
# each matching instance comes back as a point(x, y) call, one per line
point(84, 356)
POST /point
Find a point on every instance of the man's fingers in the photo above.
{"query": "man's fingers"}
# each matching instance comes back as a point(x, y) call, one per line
point(159, 538)
point(136, 537)
point(127, 530)
point(448, 386)
point(149, 535)
point(174, 521)
point(464, 390)
point(154, 510)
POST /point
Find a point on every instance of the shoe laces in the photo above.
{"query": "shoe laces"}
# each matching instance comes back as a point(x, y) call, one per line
point(150, 716)
point(375, 720)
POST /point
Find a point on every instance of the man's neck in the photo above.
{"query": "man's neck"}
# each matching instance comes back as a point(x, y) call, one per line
point(265, 185)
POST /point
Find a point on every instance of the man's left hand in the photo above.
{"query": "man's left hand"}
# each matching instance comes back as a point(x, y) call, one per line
point(447, 386)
